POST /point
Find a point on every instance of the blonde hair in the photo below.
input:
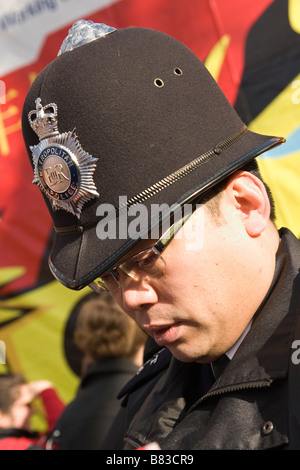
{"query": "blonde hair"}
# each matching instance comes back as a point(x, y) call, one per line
point(104, 331)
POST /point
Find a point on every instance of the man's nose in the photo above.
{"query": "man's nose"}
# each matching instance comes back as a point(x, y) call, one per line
point(136, 294)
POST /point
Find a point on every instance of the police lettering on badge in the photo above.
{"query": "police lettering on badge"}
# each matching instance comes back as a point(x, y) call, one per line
point(62, 169)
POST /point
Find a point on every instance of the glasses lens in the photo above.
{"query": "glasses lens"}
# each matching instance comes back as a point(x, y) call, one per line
point(107, 282)
point(144, 265)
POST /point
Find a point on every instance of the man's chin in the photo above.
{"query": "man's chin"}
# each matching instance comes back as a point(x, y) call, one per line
point(182, 355)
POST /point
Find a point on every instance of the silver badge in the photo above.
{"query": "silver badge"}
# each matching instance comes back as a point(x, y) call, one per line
point(83, 32)
point(62, 169)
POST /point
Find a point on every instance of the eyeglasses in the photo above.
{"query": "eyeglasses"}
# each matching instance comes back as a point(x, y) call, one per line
point(145, 265)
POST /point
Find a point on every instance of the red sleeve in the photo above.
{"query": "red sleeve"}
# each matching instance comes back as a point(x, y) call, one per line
point(15, 443)
point(53, 406)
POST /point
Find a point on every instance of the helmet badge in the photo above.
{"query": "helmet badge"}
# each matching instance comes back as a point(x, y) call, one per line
point(62, 169)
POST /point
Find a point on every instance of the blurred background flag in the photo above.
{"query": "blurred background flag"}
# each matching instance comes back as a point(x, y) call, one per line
point(252, 48)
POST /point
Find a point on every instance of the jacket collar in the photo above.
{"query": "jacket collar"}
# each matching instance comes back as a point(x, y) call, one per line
point(265, 353)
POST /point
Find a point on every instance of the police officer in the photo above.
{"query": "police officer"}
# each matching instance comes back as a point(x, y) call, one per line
point(150, 178)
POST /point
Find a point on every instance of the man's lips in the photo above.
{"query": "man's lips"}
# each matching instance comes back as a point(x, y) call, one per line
point(164, 335)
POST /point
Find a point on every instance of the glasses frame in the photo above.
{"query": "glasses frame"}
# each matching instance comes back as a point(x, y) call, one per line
point(158, 248)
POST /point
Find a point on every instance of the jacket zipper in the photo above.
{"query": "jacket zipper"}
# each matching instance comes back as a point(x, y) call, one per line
point(230, 389)
point(221, 391)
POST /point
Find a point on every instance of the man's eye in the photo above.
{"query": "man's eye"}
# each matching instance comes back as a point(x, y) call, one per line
point(146, 259)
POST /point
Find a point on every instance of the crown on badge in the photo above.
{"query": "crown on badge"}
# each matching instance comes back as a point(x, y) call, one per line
point(43, 119)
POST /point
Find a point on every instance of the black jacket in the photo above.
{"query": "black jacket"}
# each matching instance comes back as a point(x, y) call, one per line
point(85, 422)
point(255, 404)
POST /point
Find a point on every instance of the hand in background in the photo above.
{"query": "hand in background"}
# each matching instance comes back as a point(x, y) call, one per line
point(38, 386)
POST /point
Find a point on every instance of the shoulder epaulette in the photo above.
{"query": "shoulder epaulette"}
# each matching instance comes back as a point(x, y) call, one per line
point(152, 367)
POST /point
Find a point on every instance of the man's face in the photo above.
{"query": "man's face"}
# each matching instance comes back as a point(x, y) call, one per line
point(207, 294)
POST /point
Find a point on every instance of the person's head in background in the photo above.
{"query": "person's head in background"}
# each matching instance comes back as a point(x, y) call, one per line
point(15, 402)
point(104, 331)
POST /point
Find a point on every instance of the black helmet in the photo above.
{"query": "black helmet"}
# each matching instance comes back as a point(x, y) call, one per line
point(132, 116)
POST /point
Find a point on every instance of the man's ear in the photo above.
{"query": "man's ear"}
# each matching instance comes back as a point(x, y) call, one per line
point(251, 200)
